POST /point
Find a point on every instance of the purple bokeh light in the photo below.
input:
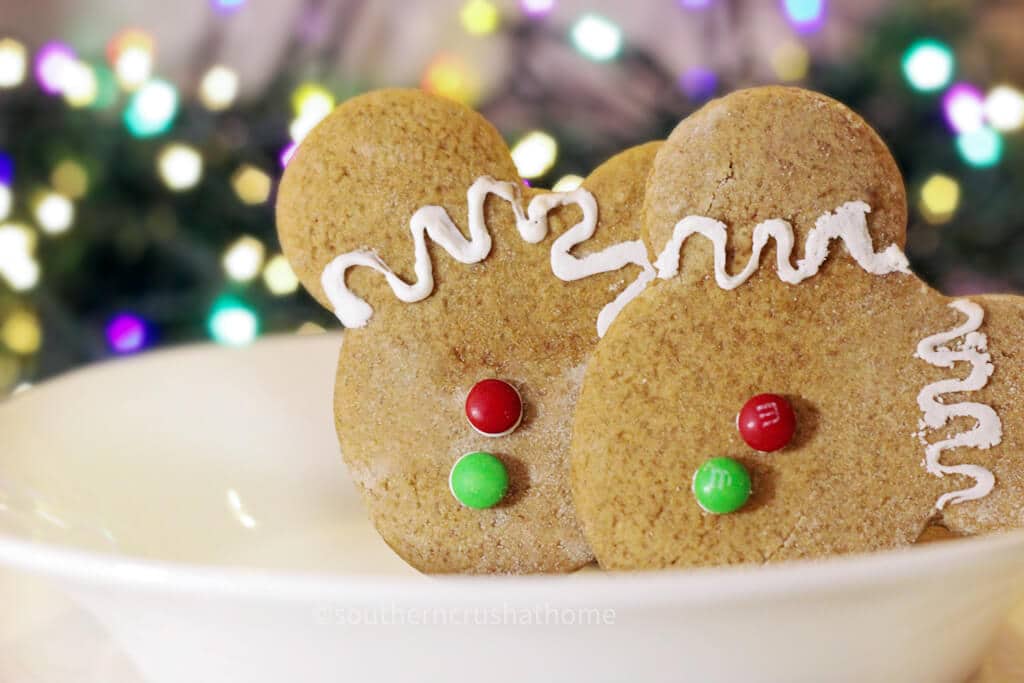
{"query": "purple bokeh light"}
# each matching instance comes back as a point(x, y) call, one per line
point(127, 333)
point(537, 8)
point(699, 83)
point(694, 4)
point(53, 61)
point(6, 169)
point(964, 108)
point(287, 153)
point(227, 6)
point(806, 16)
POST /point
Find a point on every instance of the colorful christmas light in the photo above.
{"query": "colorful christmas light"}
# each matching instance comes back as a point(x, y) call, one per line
point(54, 213)
point(981, 148)
point(251, 184)
point(596, 37)
point(232, 322)
point(699, 83)
point(940, 197)
point(180, 166)
point(243, 260)
point(963, 105)
point(53, 62)
point(6, 202)
point(790, 61)
point(219, 88)
point(18, 267)
point(928, 65)
point(13, 63)
point(127, 333)
point(1004, 108)
point(805, 15)
point(534, 154)
point(279, 277)
point(6, 168)
point(81, 87)
point(21, 332)
point(479, 17)
point(449, 76)
point(152, 109)
point(70, 179)
point(537, 8)
point(567, 183)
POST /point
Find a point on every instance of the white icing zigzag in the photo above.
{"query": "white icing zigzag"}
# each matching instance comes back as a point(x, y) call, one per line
point(434, 222)
point(848, 223)
point(988, 429)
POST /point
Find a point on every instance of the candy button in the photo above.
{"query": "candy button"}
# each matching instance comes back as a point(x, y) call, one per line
point(494, 408)
point(721, 486)
point(478, 480)
point(766, 422)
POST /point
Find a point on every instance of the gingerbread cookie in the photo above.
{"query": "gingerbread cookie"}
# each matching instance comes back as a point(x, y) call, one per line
point(787, 388)
point(469, 322)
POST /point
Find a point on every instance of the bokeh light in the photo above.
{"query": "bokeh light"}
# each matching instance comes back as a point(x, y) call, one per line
point(227, 6)
point(243, 260)
point(279, 277)
point(21, 332)
point(805, 15)
point(479, 17)
point(70, 179)
point(6, 168)
point(131, 54)
point(694, 4)
point(152, 109)
point(180, 166)
point(537, 8)
point(107, 90)
point(311, 103)
point(81, 88)
point(53, 62)
point(596, 37)
point(928, 65)
point(13, 63)
point(54, 213)
point(699, 83)
point(127, 333)
point(534, 154)
point(449, 76)
point(6, 201)
point(1004, 108)
point(251, 184)
point(790, 61)
point(963, 105)
point(287, 153)
point(232, 322)
point(219, 88)
point(940, 197)
point(567, 183)
point(18, 267)
point(981, 148)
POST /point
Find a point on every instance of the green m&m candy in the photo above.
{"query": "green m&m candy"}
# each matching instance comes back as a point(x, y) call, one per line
point(478, 480)
point(721, 485)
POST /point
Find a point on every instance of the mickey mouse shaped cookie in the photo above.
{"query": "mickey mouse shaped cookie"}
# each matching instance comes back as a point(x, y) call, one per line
point(469, 322)
point(787, 388)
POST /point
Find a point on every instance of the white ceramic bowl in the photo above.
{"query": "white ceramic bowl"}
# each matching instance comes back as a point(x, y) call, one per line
point(194, 503)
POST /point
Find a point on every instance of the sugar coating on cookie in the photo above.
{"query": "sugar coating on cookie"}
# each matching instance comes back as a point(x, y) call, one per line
point(457, 286)
point(861, 349)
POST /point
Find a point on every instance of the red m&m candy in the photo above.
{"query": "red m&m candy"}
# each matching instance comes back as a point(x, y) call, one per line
point(494, 408)
point(766, 422)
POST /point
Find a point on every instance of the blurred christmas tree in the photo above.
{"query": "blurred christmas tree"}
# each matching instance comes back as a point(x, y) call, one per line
point(135, 212)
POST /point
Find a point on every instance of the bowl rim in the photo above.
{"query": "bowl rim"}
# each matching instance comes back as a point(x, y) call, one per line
point(785, 580)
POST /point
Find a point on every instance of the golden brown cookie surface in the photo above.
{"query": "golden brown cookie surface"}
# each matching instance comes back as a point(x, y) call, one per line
point(403, 378)
point(664, 386)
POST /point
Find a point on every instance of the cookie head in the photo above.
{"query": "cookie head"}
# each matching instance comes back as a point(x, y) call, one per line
point(787, 388)
point(470, 321)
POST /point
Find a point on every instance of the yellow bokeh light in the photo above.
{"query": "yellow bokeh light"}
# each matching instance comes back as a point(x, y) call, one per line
point(131, 53)
point(180, 166)
point(219, 88)
point(80, 86)
point(6, 201)
point(312, 99)
point(244, 258)
point(567, 183)
point(13, 63)
point(790, 61)
point(54, 213)
point(21, 332)
point(535, 154)
point(70, 179)
point(251, 184)
point(480, 17)
point(18, 267)
point(940, 197)
point(448, 76)
point(279, 277)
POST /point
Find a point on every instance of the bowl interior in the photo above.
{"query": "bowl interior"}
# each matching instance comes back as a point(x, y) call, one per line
point(199, 455)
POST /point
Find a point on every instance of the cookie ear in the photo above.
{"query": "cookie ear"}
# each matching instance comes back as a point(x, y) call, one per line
point(367, 168)
point(765, 154)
